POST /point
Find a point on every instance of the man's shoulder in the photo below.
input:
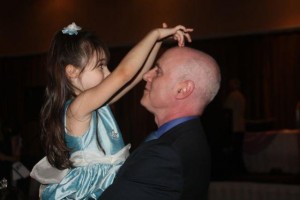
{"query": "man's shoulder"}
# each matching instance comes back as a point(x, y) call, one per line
point(189, 129)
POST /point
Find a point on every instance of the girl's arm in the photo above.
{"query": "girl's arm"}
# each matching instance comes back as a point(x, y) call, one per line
point(139, 76)
point(149, 62)
point(79, 111)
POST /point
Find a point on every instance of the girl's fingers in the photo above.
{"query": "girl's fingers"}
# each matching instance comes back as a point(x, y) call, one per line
point(188, 37)
point(189, 30)
point(184, 29)
point(180, 33)
point(179, 36)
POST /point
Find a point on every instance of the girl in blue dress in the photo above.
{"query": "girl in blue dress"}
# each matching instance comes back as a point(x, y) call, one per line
point(83, 144)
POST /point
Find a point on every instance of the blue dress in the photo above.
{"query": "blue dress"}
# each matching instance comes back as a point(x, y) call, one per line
point(97, 155)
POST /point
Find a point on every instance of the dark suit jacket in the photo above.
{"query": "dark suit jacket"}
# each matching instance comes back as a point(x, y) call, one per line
point(175, 166)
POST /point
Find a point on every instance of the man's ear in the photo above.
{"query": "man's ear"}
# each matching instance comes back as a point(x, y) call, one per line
point(185, 88)
point(71, 71)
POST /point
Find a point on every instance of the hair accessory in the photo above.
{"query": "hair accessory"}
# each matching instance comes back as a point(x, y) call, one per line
point(3, 183)
point(72, 29)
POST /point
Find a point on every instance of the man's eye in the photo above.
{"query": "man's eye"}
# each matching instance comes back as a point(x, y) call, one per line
point(158, 72)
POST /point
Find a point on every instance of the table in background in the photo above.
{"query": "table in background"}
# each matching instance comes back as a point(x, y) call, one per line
point(277, 150)
point(225, 190)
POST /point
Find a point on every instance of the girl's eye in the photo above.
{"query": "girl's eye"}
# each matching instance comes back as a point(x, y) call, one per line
point(101, 66)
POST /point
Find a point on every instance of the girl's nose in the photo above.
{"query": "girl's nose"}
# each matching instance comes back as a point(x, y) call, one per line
point(106, 72)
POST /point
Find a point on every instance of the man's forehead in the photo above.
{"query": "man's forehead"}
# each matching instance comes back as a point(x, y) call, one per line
point(161, 65)
point(165, 61)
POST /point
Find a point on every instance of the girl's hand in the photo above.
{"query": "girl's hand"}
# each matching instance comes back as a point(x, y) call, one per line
point(179, 33)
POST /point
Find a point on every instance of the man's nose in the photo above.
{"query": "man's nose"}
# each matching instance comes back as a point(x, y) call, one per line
point(148, 75)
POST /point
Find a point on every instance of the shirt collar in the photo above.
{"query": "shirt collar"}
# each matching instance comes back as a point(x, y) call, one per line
point(167, 126)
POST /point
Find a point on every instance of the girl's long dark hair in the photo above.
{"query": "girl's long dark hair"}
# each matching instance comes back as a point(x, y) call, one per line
point(65, 49)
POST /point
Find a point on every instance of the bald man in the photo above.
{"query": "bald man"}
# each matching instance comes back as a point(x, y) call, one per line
point(176, 164)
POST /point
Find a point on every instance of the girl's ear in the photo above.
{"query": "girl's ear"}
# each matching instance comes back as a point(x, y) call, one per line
point(185, 88)
point(71, 71)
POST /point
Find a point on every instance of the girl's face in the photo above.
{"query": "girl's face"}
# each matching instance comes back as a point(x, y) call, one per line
point(94, 73)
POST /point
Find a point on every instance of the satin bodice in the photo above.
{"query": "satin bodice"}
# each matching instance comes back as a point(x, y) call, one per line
point(96, 156)
point(103, 136)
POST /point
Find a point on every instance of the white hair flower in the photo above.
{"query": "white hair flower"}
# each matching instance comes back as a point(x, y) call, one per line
point(72, 29)
point(3, 183)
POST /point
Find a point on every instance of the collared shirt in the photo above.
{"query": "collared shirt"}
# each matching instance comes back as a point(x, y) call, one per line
point(167, 126)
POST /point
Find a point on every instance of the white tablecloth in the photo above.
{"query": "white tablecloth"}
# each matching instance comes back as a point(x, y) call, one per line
point(272, 150)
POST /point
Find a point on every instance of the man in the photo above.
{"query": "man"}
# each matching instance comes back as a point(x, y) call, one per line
point(235, 102)
point(176, 165)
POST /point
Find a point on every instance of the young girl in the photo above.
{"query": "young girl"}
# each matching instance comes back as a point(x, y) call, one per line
point(83, 144)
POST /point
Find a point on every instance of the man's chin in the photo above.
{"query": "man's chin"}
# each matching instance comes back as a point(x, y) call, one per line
point(144, 102)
